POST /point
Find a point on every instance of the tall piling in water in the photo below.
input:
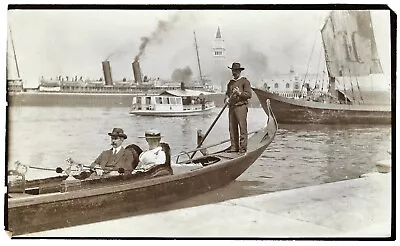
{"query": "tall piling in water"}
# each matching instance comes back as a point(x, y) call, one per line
point(107, 72)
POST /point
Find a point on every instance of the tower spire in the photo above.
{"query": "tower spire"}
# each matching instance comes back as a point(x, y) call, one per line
point(218, 45)
point(218, 35)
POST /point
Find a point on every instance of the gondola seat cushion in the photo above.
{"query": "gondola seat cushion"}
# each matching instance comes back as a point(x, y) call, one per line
point(136, 151)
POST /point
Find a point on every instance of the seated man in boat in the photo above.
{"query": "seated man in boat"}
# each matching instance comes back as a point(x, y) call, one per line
point(157, 157)
point(116, 160)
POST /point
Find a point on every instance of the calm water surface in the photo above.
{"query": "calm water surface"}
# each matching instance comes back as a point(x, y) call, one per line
point(300, 155)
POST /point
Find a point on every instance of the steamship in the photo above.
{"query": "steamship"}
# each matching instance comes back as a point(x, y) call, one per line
point(65, 91)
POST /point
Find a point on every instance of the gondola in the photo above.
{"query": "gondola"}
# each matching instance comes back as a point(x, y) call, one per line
point(64, 201)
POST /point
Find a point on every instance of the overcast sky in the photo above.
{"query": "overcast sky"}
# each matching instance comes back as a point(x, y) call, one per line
point(74, 42)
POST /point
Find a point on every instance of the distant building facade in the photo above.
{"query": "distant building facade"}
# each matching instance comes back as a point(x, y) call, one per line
point(295, 85)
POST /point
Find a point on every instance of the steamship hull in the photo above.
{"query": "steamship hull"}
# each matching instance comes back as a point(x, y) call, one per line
point(299, 111)
point(59, 99)
point(71, 92)
point(69, 99)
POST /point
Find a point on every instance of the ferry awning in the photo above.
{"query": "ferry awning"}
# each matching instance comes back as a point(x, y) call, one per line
point(185, 93)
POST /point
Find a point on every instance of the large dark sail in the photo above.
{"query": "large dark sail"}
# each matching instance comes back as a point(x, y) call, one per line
point(349, 42)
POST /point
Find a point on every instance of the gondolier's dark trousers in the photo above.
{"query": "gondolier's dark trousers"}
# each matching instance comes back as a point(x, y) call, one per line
point(238, 118)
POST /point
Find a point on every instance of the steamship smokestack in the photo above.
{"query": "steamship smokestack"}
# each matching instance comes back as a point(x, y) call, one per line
point(137, 72)
point(107, 72)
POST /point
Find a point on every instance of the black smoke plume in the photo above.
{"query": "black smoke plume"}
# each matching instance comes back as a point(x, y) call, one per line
point(256, 64)
point(121, 51)
point(182, 74)
point(162, 28)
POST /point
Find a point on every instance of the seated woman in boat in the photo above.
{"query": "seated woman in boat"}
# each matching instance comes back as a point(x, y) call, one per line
point(116, 160)
point(157, 157)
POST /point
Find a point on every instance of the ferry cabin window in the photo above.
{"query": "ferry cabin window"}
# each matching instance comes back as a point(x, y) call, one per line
point(187, 101)
point(173, 100)
point(148, 100)
point(179, 100)
point(158, 100)
point(139, 103)
point(165, 100)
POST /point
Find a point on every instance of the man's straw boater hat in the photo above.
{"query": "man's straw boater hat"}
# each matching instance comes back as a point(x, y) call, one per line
point(236, 66)
point(117, 132)
point(153, 133)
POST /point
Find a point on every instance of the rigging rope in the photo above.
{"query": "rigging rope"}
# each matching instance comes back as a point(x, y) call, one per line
point(353, 67)
point(358, 86)
point(351, 85)
point(348, 63)
point(327, 59)
point(319, 62)
point(343, 21)
point(309, 61)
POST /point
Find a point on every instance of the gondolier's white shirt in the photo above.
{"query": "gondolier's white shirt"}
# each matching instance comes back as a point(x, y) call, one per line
point(236, 79)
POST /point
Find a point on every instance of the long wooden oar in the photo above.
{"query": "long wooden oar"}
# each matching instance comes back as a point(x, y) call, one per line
point(212, 125)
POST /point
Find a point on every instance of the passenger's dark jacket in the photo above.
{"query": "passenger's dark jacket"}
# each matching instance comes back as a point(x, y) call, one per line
point(123, 159)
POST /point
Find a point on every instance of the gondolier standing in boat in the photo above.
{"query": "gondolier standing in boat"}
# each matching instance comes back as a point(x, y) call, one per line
point(237, 95)
point(115, 160)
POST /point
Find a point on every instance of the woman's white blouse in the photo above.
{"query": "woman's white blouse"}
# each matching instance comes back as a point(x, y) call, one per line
point(154, 156)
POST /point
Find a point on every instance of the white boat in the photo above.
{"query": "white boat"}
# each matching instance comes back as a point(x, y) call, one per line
point(173, 103)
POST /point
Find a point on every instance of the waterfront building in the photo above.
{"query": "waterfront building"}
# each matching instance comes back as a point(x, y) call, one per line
point(295, 85)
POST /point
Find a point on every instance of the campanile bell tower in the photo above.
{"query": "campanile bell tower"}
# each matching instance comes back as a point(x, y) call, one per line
point(220, 67)
point(219, 46)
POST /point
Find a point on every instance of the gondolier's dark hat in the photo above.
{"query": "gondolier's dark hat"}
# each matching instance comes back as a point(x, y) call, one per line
point(236, 66)
point(117, 132)
point(153, 133)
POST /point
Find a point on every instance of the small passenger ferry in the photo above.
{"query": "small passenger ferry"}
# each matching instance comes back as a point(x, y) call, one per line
point(173, 103)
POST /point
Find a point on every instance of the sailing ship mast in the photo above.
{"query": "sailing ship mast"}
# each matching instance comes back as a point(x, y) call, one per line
point(331, 78)
point(15, 55)
point(198, 59)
